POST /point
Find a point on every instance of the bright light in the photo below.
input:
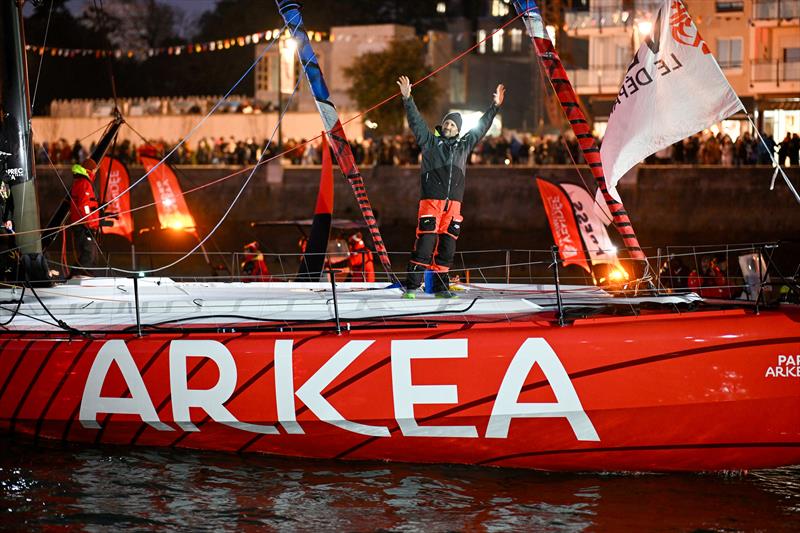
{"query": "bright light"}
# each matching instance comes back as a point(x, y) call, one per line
point(290, 46)
point(617, 275)
point(470, 119)
point(371, 125)
point(645, 27)
point(507, 161)
point(178, 222)
point(441, 7)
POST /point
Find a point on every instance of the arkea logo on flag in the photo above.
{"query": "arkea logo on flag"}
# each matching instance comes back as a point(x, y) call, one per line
point(673, 88)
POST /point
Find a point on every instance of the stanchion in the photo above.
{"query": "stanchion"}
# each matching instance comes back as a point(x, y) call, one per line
point(136, 302)
point(332, 277)
point(558, 286)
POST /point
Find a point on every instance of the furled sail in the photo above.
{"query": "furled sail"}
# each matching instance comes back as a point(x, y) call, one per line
point(568, 99)
point(314, 258)
point(290, 11)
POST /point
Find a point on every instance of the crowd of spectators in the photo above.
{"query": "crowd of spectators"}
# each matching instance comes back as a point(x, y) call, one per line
point(527, 150)
point(183, 105)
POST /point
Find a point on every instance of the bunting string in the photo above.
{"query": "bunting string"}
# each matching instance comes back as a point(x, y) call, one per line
point(190, 48)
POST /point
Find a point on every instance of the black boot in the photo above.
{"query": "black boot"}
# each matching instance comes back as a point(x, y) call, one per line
point(414, 276)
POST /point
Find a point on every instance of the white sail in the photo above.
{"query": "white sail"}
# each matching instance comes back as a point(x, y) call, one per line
point(673, 89)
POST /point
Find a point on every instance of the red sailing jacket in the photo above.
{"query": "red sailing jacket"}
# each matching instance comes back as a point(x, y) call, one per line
point(362, 265)
point(83, 198)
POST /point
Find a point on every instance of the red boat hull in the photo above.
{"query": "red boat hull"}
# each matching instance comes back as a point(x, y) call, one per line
point(711, 390)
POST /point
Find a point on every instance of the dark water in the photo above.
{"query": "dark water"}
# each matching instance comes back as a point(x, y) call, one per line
point(100, 489)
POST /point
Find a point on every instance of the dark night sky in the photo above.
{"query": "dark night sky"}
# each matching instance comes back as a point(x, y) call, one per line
point(192, 7)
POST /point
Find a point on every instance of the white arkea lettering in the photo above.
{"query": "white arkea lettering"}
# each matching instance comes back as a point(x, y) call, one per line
point(567, 405)
point(138, 404)
point(406, 394)
point(210, 400)
point(311, 391)
point(284, 388)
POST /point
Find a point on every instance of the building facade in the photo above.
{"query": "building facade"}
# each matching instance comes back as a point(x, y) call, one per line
point(756, 43)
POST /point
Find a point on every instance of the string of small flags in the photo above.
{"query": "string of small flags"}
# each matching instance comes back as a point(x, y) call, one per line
point(191, 48)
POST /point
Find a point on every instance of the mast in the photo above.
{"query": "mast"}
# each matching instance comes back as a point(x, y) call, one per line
point(16, 121)
point(290, 11)
point(577, 120)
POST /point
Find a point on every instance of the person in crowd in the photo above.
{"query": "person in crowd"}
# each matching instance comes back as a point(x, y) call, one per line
point(444, 162)
point(794, 150)
point(728, 151)
point(709, 281)
point(783, 149)
point(766, 150)
point(674, 274)
point(83, 216)
point(362, 264)
point(253, 266)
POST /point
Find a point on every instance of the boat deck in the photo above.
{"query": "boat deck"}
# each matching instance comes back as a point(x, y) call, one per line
point(111, 303)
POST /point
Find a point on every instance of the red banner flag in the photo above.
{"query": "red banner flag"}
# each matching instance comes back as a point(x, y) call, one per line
point(170, 203)
point(563, 224)
point(118, 181)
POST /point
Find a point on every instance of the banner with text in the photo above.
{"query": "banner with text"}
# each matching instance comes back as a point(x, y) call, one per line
point(563, 224)
point(170, 203)
point(112, 182)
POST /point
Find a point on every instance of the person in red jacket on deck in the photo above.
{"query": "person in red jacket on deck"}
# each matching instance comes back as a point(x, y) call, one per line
point(362, 265)
point(253, 267)
point(83, 213)
point(710, 282)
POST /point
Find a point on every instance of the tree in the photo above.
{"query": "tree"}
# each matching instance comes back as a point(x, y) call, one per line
point(374, 77)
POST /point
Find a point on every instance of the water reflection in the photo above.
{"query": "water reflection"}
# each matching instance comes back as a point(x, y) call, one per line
point(146, 489)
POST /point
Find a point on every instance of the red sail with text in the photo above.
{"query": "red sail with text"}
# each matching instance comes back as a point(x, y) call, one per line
point(563, 224)
point(170, 203)
point(112, 183)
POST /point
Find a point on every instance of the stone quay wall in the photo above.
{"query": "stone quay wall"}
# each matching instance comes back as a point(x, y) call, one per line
point(675, 205)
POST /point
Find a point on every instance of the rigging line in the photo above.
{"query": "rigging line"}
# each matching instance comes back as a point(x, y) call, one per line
point(95, 131)
point(180, 143)
point(102, 13)
point(778, 168)
point(191, 132)
point(312, 139)
point(281, 154)
point(230, 206)
point(41, 57)
point(438, 69)
point(14, 313)
point(32, 317)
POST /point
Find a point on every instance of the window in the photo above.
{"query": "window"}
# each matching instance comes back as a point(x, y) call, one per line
point(730, 6)
point(791, 55)
point(499, 8)
point(516, 40)
point(481, 41)
point(729, 53)
point(497, 42)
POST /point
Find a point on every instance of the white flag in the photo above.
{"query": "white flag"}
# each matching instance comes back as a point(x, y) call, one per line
point(673, 89)
point(593, 229)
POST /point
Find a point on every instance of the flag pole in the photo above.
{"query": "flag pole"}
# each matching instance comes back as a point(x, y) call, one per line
point(559, 80)
point(778, 168)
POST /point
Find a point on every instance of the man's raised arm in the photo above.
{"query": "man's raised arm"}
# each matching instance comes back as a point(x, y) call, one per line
point(476, 134)
point(415, 121)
